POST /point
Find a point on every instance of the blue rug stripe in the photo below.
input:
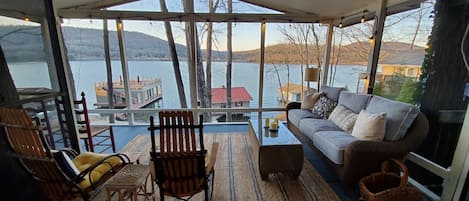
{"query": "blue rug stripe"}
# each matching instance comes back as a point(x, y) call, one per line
point(311, 194)
point(281, 187)
point(230, 170)
point(252, 173)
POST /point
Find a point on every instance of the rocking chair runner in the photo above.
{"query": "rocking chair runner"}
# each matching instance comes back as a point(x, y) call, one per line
point(30, 147)
point(180, 165)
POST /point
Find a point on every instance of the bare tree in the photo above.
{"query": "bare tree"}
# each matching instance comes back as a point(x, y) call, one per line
point(337, 59)
point(174, 58)
point(297, 35)
point(318, 49)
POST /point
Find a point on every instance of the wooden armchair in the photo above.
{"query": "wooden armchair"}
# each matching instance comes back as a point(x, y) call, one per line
point(180, 165)
point(57, 175)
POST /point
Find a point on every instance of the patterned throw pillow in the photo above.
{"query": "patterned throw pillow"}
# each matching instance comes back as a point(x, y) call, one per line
point(343, 117)
point(324, 107)
point(309, 100)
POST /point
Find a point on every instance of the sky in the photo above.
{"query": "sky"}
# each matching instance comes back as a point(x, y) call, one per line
point(246, 36)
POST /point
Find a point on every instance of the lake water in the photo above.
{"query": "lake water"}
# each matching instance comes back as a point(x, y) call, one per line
point(87, 73)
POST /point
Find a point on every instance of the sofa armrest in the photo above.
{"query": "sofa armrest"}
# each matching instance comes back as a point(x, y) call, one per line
point(293, 105)
point(364, 157)
point(290, 106)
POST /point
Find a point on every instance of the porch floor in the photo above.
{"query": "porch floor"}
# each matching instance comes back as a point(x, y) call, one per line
point(124, 134)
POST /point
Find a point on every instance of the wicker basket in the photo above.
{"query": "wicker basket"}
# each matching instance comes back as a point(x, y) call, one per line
point(388, 186)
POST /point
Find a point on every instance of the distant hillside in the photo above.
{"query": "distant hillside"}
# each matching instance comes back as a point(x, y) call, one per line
point(21, 43)
point(355, 53)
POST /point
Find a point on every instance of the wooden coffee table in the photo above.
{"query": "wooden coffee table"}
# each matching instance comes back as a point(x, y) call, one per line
point(275, 151)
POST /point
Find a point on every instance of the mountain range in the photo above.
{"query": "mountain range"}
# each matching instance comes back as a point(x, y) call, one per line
point(23, 43)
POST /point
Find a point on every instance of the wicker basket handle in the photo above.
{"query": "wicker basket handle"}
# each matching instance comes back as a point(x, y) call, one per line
point(405, 172)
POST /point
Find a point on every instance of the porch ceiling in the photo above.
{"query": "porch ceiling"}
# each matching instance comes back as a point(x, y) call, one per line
point(351, 10)
point(316, 10)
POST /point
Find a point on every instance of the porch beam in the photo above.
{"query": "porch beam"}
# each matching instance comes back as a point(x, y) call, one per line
point(63, 71)
point(327, 54)
point(376, 45)
point(261, 67)
point(107, 58)
point(191, 43)
point(189, 17)
point(125, 69)
point(54, 83)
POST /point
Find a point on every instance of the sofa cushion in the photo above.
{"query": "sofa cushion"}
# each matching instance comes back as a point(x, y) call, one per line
point(311, 126)
point(343, 118)
point(296, 115)
point(332, 144)
point(353, 101)
point(332, 92)
point(324, 107)
point(370, 126)
point(399, 116)
point(309, 100)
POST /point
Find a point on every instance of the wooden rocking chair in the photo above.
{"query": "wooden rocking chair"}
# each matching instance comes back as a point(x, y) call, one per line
point(180, 165)
point(58, 179)
point(92, 136)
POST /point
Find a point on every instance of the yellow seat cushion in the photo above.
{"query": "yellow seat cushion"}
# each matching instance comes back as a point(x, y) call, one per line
point(87, 159)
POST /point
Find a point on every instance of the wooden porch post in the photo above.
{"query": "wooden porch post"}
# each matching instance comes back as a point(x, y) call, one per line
point(261, 68)
point(327, 55)
point(376, 45)
point(125, 69)
point(107, 58)
point(63, 71)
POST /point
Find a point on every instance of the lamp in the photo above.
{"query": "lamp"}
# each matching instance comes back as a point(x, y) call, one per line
point(312, 75)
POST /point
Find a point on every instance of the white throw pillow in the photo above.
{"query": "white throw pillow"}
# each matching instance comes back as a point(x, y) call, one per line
point(309, 100)
point(370, 126)
point(343, 117)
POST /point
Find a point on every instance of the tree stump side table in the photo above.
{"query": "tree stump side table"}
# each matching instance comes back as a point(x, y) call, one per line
point(129, 182)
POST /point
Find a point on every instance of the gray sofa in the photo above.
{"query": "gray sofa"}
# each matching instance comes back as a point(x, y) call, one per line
point(350, 157)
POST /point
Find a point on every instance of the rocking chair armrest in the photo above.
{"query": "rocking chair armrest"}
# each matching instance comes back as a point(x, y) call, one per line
point(212, 158)
point(70, 152)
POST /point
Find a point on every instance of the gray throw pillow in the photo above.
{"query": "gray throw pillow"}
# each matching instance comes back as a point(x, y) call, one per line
point(353, 101)
point(324, 107)
point(399, 116)
point(332, 92)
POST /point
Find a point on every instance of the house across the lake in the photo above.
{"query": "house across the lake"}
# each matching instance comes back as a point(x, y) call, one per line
point(143, 93)
point(240, 98)
point(291, 92)
point(389, 71)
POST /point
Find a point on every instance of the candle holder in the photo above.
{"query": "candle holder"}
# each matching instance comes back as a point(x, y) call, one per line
point(266, 123)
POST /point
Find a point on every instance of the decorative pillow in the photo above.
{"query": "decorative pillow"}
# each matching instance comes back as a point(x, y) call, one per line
point(309, 100)
point(354, 101)
point(370, 126)
point(399, 116)
point(343, 117)
point(324, 107)
point(66, 164)
point(332, 92)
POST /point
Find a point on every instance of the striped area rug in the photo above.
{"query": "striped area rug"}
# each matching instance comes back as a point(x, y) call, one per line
point(237, 176)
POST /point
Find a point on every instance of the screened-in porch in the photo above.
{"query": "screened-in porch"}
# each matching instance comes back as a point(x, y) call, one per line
point(238, 62)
